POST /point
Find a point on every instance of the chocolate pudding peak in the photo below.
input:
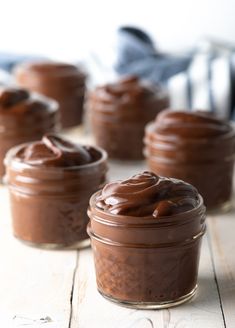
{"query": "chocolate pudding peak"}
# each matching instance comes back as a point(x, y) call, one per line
point(147, 194)
point(191, 125)
point(9, 97)
point(54, 151)
point(18, 101)
point(127, 90)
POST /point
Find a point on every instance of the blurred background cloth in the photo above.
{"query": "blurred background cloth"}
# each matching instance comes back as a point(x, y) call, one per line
point(136, 54)
point(202, 78)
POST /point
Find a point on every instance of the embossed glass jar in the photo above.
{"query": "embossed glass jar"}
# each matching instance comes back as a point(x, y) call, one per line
point(144, 262)
point(119, 113)
point(49, 204)
point(206, 162)
point(61, 81)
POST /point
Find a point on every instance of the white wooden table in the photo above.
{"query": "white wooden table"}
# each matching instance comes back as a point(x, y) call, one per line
point(57, 289)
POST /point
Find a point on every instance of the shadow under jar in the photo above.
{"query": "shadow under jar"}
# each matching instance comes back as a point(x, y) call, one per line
point(119, 113)
point(61, 81)
point(50, 183)
point(24, 117)
point(145, 261)
point(197, 148)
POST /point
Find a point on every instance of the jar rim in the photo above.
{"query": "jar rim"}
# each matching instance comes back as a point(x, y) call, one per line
point(51, 105)
point(149, 129)
point(18, 165)
point(149, 219)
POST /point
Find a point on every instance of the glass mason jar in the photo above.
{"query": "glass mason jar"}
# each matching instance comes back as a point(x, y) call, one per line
point(119, 112)
point(206, 163)
point(49, 204)
point(144, 262)
point(28, 122)
point(123, 141)
point(61, 81)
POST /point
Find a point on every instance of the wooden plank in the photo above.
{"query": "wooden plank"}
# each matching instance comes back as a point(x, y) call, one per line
point(222, 237)
point(35, 284)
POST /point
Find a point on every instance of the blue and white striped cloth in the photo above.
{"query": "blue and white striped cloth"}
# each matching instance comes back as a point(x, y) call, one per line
point(202, 79)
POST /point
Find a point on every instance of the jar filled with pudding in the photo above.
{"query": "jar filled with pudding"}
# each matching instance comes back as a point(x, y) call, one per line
point(195, 147)
point(61, 81)
point(119, 113)
point(24, 116)
point(146, 235)
point(50, 183)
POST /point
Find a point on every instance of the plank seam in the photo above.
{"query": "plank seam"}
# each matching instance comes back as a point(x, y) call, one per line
point(72, 290)
point(215, 276)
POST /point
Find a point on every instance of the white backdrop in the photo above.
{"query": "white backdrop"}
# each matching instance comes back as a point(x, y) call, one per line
point(67, 29)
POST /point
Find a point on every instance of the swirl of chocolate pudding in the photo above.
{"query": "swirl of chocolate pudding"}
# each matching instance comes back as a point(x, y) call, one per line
point(24, 116)
point(146, 234)
point(61, 81)
point(119, 112)
point(50, 184)
point(195, 147)
point(147, 194)
point(54, 151)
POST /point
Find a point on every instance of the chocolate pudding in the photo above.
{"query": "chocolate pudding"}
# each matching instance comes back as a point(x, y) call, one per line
point(119, 113)
point(63, 82)
point(50, 183)
point(24, 117)
point(195, 147)
point(146, 235)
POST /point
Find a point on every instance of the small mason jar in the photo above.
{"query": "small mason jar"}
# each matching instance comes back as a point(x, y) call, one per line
point(49, 204)
point(144, 262)
point(61, 81)
point(119, 112)
point(196, 148)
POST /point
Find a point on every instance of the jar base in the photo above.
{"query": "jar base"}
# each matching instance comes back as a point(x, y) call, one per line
point(49, 246)
point(152, 305)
